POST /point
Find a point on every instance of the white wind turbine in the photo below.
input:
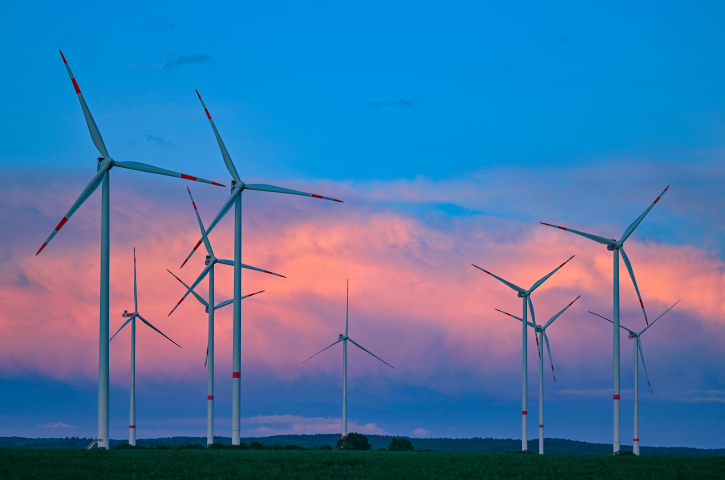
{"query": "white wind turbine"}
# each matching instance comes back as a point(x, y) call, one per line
point(236, 199)
point(615, 247)
point(541, 331)
point(638, 353)
point(103, 167)
point(344, 338)
point(132, 318)
point(211, 260)
point(526, 296)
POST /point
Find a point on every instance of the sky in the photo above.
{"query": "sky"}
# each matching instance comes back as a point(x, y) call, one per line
point(449, 130)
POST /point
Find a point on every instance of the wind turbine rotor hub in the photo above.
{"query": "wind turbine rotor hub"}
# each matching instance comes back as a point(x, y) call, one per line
point(103, 162)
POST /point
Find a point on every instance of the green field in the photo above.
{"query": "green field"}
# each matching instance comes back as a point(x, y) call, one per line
point(16, 463)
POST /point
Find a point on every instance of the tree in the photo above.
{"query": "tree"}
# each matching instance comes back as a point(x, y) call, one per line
point(401, 445)
point(354, 441)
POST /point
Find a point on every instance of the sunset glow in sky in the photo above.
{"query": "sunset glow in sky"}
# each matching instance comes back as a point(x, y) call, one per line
point(450, 131)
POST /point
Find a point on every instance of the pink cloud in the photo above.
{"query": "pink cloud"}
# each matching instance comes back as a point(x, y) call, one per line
point(415, 300)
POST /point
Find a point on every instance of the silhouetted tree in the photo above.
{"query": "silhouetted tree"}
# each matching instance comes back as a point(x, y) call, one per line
point(401, 445)
point(354, 441)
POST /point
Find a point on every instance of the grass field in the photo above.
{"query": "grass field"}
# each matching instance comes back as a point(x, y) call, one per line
point(18, 463)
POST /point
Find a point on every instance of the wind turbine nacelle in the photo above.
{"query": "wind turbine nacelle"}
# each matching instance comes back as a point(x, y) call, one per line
point(631, 335)
point(610, 248)
point(208, 260)
point(340, 337)
point(521, 295)
point(207, 310)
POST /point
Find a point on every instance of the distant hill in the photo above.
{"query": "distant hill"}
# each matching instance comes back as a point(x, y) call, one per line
point(553, 445)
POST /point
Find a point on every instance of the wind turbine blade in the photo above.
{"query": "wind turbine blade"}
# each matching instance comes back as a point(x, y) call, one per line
point(634, 225)
point(228, 302)
point(558, 314)
point(206, 359)
point(85, 194)
point(225, 155)
point(191, 288)
point(634, 282)
point(167, 338)
point(201, 225)
point(596, 238)
point(361, 348)
point(347, 306)
point(231, 264)
point(673, 306)
point(271, 188)
point(201, 300)
point(92, 127)
point(322, 351)
point(511, 285)
point(620, 325)
point(514, 316)
point(537, 284)
point(143, 167)
point(551, 361)
point(533, 320)
point(641, 354)
point(125, 323)
point(225, 208)
point(135, 291)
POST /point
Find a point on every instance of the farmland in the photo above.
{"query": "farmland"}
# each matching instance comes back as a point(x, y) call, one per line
point(17, 463)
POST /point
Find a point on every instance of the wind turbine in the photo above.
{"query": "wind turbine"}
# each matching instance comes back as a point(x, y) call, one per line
point(210, 261)
point(526, 296)
point(132, 318)
point(615, 247)
point(103, 167)
point(637, 353)
point(344, 338)
point(541, 331)
point(236, 199)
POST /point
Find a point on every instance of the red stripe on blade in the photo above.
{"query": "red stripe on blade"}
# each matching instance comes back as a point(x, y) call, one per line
point(207, 113)
point(188, 177)
point(336, 200)
point(60, 224)
point(75, 84)
point(316, 196)
point(197, 245)
point(61, 54)
point(217, 184)
point(41, 249)
point(561, 228)
point(194, 205)
point(236, 375)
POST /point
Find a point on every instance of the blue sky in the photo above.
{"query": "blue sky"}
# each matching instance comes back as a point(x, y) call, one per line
point(464, 119)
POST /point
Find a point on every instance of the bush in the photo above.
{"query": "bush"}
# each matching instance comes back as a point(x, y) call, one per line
point(217, 446)
point(354, 441)
point(401, 445)
point(255, 446)
point(126, 446)
point(323, 447)
point(624, 452)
